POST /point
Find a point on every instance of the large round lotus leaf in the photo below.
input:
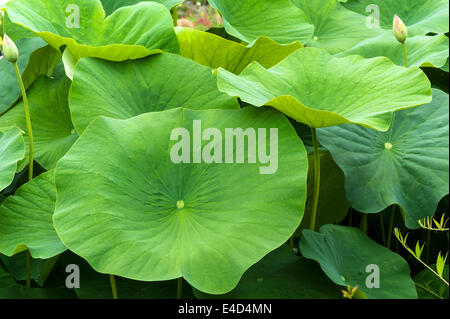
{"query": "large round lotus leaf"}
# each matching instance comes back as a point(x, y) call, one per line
point(429, 286)
point(53, 131)
point(26, 220)
point(118, 190)
point(407, 165)
point(333, 206)
point(157, 83)
point(9, 86)
point(94, 285)
point(112, 5)
point(279, 20)
point(335, 27)
point(12, 150)
point(282, 275)
point(321, 90)
point(422, 51)
point(214, 51)
point(420, 16)
point(129, 33)
point(349, 257)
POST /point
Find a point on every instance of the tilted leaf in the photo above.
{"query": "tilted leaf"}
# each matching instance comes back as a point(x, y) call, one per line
point(349, 257)
point(129, 33)
point(214, 51)
point(53, 131)
point(279, 20)
point(112, 5)
point(321, 90)
point(119, 190)
point(157, 83)
point(12, 150)
point(26, 220)
point(408, 165)
point(429, 286)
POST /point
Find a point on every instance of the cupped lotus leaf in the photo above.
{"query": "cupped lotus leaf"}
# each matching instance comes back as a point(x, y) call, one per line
point(129, 33)
point(429, 286)
point(336, 28)
point(422, 51)
point(26, 219)
point(98, 286)
point(332, 206)
point(282, 275)
point(9, 86)
point(420, 16)
point(120, 189)
point(214, 51)
point(349, 257)
point(112, 5)
point(279, 20)
point(12, 150)
point(157, 83)
point(53, 131)
point(321, 90)
point(408, 165)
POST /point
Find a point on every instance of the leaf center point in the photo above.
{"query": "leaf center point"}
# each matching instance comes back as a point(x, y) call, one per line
point(180, 204)
point(387, 146)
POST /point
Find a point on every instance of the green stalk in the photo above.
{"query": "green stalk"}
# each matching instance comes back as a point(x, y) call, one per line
point(312, 224)
point(383, 231)
point(112, 279)
point(364, 223)
point(30, 142)
point(404, 54)
point(391, 226)
point(175, 15)
point(291, 243)
point(180, 288)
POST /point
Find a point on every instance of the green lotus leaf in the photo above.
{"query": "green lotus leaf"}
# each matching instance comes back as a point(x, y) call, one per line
point(336, 28)
point(14, 31)
point(26, 220)
point(94, 285)
point(408, 165)
point(119, 190)
point(157, 83)
point(282, 275)
point(12, 150)
point(429, 286)
point(445, 67)
point(112, 5)
point(129, 33)
point(20, 292)
point(214, 51)
point(421, 17)
point(333, 206)
point(6, 280)
point(279, 20)
point(422, 51)
point(9, 86)
point(53, 131)
point(39, 268)
point(349, 257)
point(321, 90)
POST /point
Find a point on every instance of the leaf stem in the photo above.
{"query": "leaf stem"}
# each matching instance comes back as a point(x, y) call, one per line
point(316, 191)
point(383, 230)
point(28, 272)
point(405, 55)
point(112, 279)
point(364, 223)
point(175, 15)
point(28, 120)
point(180, 288)
point(391, 226)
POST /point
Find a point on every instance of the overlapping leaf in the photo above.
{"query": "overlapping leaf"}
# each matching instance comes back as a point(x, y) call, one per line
point(282, 275)
point(321, 90)
point(407, 165)
point(52, 126)
point(214, 51)
point(129, 33)
point(421, 17)
point(349, 257)
point(12, 150)
point(26, 220)
point(279, 20)
point(112, 5)
point(153, 84)
point(190, 220)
